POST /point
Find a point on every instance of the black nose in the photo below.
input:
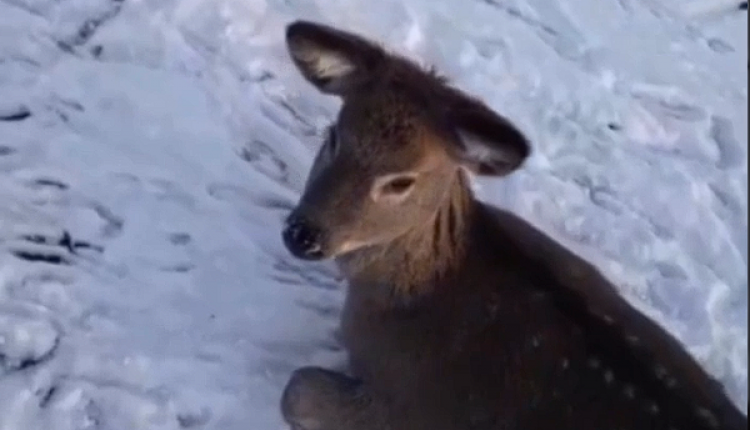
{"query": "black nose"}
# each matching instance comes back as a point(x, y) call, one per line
point(303, 239)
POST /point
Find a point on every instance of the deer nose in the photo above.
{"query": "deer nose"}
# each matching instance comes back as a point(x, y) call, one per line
point(303, 239)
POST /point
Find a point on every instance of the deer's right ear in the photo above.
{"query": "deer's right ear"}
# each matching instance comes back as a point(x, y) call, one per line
point(334, 61)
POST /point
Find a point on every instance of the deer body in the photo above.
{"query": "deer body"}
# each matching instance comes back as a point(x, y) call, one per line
point(460, 316)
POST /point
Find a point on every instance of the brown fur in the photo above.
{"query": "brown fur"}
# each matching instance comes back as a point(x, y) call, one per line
point(458, 315)
point(414, 263)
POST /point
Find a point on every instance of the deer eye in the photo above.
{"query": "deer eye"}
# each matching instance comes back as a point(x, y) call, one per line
point(398, 185)
point(393, 188)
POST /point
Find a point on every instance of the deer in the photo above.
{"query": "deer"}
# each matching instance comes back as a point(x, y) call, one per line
point(459, 315)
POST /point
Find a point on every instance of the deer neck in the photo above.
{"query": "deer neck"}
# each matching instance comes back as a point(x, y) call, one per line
point(420, 261)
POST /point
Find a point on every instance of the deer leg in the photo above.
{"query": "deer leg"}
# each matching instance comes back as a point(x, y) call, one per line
point(320, 399)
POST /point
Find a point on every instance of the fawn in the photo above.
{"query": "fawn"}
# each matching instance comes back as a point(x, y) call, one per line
point(458, 315)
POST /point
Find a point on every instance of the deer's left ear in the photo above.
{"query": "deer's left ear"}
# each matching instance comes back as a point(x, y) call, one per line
point(489, 143)
point(335, 61)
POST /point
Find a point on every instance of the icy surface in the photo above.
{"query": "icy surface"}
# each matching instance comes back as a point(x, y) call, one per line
point(150, 149)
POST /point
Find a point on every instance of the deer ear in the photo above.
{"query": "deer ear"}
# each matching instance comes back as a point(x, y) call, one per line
point(489, 144)
point(335, 61)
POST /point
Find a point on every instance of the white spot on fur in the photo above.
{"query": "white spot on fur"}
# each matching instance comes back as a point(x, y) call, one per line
point(671, 383)
point(565, 363)
point(629, 391)
point(608, 319)
point(634, 340)
point(609, 377)
point(654, 408)
point(594, 363)
point(661, 372)
point(709, 417)
point(535, 341)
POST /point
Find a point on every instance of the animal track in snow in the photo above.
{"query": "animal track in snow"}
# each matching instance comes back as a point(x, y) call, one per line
point(180, 239)
point(41, 248)
point(719, 46)
point(25, 341)
point(265, 160)
point(41, 183)
point(730, 150)
point(17, 113)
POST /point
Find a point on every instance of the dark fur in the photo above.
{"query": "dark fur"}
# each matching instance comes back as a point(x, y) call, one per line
point(471, 318)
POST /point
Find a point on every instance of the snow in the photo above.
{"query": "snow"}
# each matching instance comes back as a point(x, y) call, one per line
point(149, 151)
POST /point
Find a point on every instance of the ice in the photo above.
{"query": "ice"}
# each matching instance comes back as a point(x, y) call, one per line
point(149, 151)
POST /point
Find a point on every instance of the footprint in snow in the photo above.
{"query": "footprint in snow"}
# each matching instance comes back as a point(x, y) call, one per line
point(180, 239)
point(46, 183)
point(25, 341)
point(719, 46)
point(58, 250)
point(14, 113)
point(730, 149)
point(265, 160)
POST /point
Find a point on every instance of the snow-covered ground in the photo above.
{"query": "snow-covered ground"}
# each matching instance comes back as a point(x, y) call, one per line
point(149, 150)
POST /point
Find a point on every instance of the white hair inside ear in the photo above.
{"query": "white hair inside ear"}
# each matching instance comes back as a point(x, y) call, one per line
point(476, 148)
point(333, 65)
point(323, 63)
point(488, 156)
